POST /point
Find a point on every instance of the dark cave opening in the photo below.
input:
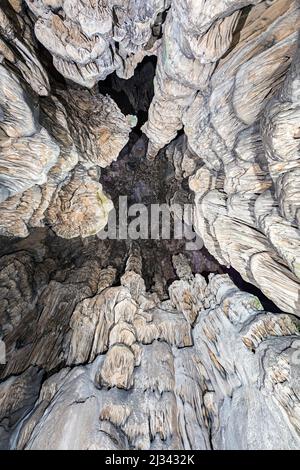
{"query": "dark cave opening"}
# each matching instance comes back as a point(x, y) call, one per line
point(134, 95)
point(267, 304)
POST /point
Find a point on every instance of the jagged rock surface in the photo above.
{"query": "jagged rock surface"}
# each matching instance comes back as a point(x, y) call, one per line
point(233, 83)
point(90, 40)
point(53, 143)
point(200, 370)
point(96, 359)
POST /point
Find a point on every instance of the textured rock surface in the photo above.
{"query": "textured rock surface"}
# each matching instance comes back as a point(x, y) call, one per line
point(233, 84)
point(185, 373)
point(251, 156)
point(53, 143)
point(114, 345)
point(91, 39)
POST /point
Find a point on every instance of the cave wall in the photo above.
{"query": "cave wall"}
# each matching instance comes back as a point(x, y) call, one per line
point(233, 84)
point(105, 364)
point(95, 358)
point(54, 141)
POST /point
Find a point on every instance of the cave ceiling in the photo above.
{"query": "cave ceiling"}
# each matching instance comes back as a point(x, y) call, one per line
point(149, 343)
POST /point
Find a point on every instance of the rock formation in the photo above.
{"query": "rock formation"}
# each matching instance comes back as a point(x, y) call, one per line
point(121, 344)
point(47, 153)
point(199, 366)
point(237, 98)
point(91, 39)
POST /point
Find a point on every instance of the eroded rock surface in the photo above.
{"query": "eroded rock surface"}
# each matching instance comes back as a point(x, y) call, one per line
point(135, 372)
point(54, 139)
point(233, 85)
point(90, 40)
point(115, 345)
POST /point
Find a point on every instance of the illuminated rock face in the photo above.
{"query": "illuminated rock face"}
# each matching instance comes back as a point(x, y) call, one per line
point(53, 144)
point(196, 371)
point(109, 344)
point(233, 85)
point(91, 39)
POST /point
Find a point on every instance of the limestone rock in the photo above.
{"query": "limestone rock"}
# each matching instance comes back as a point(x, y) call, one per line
point(90, 40)
point(193, 393)
point(146, 345)
point(21, 137)
point(44, 143)
point(80, 208)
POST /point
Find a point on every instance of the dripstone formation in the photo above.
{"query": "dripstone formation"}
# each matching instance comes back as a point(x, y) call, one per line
point(122, 344)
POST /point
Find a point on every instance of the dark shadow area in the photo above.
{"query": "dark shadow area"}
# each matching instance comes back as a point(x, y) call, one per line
point(267, 304)
point(239, 27)
point(133, 96)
